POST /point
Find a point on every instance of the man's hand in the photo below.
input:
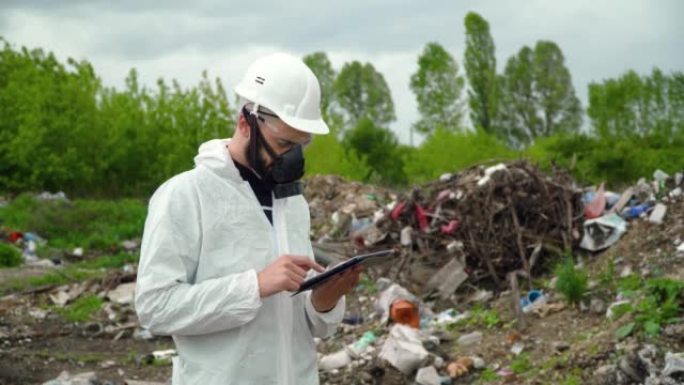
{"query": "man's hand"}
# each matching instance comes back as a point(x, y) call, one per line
point(285, 273)
point(325, 296)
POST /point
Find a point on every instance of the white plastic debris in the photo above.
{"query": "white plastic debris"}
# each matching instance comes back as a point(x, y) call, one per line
point(602, 232)
point(37, 313)
point(678, 178)
point(40, 263)
point(478, 363)
point(129, 245)
point(65, 378)
point(29, 253)
point(60, 298)
point(660, 176)
point(47, 196)
point(164, 354)
point(445, 177)
point(517, 348)
point(470, 339)
point(674, 362)
point(489, 172)
point(406, 236)
point(142, 334)
point(78, 252)
point(676, 193)
point(481, 296)
point(609, 312)
point(449, 316)
point(336, 360)
point(403, 349)
point(388, 296)
point(123, 294)
point(658, 214)
point(428, 376)
point(454, 246)
point(447, 279)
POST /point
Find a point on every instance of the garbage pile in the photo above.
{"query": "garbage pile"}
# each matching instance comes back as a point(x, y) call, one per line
point(607, 212)
point(482, 223)
point(338, 206)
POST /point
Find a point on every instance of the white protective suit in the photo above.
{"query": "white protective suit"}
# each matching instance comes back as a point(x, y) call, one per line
point(205, 238)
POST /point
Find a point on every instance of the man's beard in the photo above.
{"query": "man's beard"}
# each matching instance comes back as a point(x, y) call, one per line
point(260, 167)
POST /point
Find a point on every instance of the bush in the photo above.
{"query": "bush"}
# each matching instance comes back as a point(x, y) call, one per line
point(615, 160)
point(326, 155)
point(9, 256)
point(572, 282)
point(447, 151)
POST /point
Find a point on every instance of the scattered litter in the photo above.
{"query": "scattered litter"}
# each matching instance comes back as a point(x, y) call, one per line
point(612, 306)
point(403, 349)
point(388, 296)
point(123, 294)
point(161, 355)
point(460, 367)
point(428, 376)
point(602, 232)
point(636, 211)
point(535, 299)
point(47, 196)
point(517, 348)
point(470, 339)
point(489, 172)
point(64, 378)
point(595, 207)
point(405, 312)
point(447, 279)
point(658, 214)
point(674, 363)
point(448, 317)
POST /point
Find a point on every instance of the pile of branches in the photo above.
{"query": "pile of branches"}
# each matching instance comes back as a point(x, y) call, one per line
point(502, 219)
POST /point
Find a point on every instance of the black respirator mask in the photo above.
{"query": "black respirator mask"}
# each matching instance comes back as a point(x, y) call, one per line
point(286, 169)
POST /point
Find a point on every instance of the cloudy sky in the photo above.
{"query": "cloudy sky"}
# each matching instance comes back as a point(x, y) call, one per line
point(179, 39)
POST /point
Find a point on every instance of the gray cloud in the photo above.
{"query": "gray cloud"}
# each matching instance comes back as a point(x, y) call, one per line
point(600, 38)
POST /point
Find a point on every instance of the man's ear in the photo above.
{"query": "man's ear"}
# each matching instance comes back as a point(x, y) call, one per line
point(243, 127)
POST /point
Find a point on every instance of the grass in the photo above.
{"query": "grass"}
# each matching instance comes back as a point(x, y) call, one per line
point(53, 278)
point(655, 303)
point(521, 364)
point(81, 309)
point(487, 375)
point(91, 224)
point(9, 256)
point(77, 272)
point(479, 317)
point(572, 282)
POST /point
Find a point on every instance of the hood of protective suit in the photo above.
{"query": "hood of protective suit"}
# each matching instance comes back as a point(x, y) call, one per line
point(206, 237)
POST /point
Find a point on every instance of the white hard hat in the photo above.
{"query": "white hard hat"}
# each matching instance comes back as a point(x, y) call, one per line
point(285, 85)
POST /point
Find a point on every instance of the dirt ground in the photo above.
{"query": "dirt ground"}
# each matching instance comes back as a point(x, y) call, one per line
point(572, 341)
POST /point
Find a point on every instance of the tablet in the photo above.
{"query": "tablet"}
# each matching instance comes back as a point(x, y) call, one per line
point(369, 259)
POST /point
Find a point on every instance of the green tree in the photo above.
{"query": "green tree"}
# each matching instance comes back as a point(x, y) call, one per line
point(320, 65)
point(636, 105)
point(60, 129)
point(480, 67)
point(538, 98)
point(438, 88)
point(379, 146)
point(361, 92)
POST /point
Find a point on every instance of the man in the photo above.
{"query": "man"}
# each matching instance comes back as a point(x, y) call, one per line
point(226, 243)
